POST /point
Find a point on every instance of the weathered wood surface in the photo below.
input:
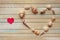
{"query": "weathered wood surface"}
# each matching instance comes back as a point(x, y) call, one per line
point(17, 31)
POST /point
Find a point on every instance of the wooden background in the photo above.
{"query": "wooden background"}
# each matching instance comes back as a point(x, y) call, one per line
point(17, 31)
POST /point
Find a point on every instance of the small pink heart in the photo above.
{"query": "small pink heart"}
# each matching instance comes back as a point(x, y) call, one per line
point(10, 20)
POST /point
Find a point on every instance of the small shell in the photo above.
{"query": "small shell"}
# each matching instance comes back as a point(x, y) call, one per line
point(34, 10)
point(46, 28)
point(43, 11)
point(53, 19)
point(42, 33)
point(36, 32)
point(53, 12)
point(27, 7)
point(49, 7)
point(50, 24)
point(22, 14)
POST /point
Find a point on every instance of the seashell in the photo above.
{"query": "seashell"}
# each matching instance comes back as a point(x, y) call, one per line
point(34, 10)
point(36, 32)
point(22, 14)
point(50, 24)
point(49, 7)
point(43, 11)
point(27, 7)
point(46, 28)
point(53, 19)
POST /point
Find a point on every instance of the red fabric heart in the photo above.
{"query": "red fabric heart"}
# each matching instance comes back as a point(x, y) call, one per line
point(10, 20)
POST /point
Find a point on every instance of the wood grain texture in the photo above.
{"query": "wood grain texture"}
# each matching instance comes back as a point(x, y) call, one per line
point(17, 10)
point(29, 1)
point(21, 5)
point(17, 31)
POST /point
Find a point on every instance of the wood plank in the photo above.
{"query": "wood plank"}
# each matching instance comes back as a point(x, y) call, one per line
point(32, 25)
point(17, 10)
point(29, 38)
point(29, 20)
point(52, 38)
point(29, 35)
point(22, 5)
point(27, 31)
point(22, 38)
point(29, 1)
point(30, 16)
